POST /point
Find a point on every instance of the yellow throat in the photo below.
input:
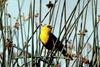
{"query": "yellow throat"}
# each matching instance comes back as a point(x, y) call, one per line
point(45, 32)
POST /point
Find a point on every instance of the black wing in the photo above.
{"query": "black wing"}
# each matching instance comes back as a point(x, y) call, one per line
point(53, 42)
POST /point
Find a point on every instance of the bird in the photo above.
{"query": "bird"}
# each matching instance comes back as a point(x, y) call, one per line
point(51, 42)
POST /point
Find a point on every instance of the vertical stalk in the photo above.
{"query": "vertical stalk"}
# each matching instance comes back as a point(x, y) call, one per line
point(32, 22)
point(3, 38)
point(17, 38)
point(67, 61)
point(39, 24)
point(94, 15)
point(19, 8)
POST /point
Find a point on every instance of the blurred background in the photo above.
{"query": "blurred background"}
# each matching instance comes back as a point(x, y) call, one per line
point(75, 22)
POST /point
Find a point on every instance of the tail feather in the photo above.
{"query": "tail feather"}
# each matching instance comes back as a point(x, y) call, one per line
point(67, 55)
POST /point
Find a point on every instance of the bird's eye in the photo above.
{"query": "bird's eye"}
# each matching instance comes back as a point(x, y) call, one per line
point(49, 26)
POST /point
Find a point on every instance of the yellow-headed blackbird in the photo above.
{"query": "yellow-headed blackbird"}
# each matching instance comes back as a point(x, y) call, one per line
point(50, 41)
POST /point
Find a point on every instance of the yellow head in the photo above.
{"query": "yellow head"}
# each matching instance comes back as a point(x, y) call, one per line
point(45, 31)
point(46, 28)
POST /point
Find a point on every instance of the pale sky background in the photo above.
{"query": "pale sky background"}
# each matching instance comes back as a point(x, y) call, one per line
point(12, 8)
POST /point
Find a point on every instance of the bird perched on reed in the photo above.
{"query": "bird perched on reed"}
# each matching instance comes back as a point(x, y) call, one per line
point(51, 42)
